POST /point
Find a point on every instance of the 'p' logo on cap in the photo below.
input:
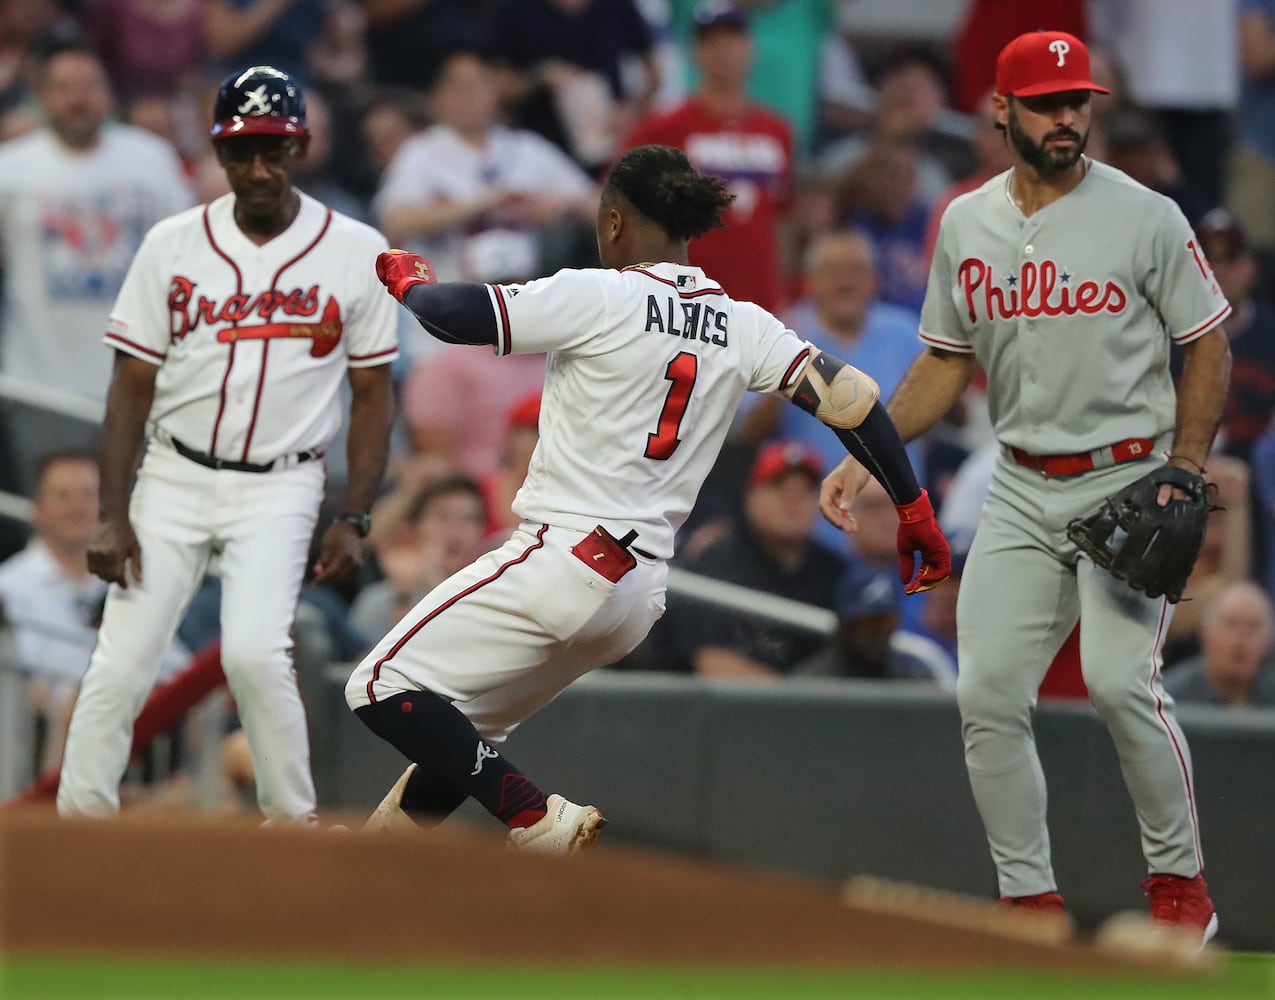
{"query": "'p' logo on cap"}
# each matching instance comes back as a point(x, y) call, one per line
point(1044, 62)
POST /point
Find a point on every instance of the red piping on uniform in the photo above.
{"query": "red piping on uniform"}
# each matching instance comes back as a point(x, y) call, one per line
point(673, 284)
point(504, 316)
point(256, 400)
point(794, 368)
point(1202, 328)
point(947, 345)
point(230, 360)
point(137, 347)
point(376, 669)
point(265, 347)
point(369, 357)
point(1159, 707)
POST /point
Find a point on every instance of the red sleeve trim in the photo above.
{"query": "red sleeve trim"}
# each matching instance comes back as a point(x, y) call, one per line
point(505, 342)
point(1200, 329)
point(946, 345)
point(797, 363)
point(388, 353)
point(135, 348)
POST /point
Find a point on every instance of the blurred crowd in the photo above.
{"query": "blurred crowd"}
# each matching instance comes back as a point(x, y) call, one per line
point(476, 132)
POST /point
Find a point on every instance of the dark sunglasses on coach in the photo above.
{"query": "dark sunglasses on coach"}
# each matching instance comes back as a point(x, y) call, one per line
point(243, 152)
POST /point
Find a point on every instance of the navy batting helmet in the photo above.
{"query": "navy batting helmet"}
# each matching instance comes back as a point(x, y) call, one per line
point(260, 100)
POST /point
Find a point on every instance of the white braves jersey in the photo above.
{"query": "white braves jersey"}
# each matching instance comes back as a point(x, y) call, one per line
point(253, 341)
point(646, 367)
point(1071, 310)
point(71, 222)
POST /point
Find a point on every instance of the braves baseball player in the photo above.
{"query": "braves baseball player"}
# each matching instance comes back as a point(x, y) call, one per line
point(1067, 281)
point(647, 364)
point(233, 330)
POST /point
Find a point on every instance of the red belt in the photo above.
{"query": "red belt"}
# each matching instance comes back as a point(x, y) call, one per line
point(1129, 450)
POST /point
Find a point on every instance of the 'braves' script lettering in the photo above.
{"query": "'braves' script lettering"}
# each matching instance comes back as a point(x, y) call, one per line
point(187, 311)
point(1040, 292)
point(273, 314)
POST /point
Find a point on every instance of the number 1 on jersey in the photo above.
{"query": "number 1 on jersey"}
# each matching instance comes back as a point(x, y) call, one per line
point(681, 371)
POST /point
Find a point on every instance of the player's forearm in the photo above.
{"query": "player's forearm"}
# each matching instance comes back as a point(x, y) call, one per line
point(876, 445)
point(371, 416)
point(458, 312)
point(930, 388)
point(1206, 375)
point(128, 404)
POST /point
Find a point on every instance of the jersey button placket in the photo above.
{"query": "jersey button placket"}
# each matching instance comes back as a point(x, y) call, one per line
point(1029, 341)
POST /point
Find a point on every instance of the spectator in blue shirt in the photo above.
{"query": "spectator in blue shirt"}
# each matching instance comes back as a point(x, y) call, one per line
point(840, 315)
point(881, 195)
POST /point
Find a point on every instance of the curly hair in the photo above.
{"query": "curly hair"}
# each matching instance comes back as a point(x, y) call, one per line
point(660, 182)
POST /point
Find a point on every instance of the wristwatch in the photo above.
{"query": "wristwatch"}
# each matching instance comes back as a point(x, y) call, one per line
point(361, 520)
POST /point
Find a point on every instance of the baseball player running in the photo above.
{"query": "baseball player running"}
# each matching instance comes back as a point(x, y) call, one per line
point(232, 332)
point(648, 360)
point(1066, 280)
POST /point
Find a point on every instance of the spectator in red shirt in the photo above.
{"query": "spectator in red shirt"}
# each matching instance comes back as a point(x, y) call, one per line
point(726, 134)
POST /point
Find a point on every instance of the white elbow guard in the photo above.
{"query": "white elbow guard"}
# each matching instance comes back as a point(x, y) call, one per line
point(836, 393)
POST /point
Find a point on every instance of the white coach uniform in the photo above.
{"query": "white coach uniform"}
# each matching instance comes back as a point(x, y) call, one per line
point(253, 343)
point(646, 367)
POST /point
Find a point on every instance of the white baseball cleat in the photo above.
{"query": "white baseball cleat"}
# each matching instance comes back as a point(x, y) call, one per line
point(566, 829)
point(389, 815)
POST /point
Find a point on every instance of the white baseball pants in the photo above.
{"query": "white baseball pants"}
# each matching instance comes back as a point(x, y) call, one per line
point(505, 636)
point(261, 525)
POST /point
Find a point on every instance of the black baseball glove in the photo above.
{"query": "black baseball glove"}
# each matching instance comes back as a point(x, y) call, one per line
point(1151, 548)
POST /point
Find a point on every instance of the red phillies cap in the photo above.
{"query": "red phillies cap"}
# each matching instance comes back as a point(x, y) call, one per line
point(1044, 62)
point(782, 457)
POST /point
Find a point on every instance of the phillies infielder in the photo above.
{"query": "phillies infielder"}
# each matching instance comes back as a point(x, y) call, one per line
point(233, 331)
point(1066, 281)
point(647, 365)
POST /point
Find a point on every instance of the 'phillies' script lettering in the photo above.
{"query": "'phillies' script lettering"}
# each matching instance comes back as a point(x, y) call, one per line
point(1040, 292)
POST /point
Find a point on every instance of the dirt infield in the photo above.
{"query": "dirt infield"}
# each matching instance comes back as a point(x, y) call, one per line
point(190, 886)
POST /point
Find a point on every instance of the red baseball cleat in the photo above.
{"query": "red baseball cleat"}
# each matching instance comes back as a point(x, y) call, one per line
point(1182, 902)
point(1049, 902)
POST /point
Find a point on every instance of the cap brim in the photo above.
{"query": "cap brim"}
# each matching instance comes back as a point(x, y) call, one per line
point(1058, 87)
point(257, 125)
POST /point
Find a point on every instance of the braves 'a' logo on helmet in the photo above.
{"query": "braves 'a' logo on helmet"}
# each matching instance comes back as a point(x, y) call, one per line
point(256, 102)
point(259, 100)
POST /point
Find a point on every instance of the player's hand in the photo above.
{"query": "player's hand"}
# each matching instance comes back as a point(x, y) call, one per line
point(340, 555)
point(840, 487)
point(399, 270)
point(919, 533)
point(114, 552)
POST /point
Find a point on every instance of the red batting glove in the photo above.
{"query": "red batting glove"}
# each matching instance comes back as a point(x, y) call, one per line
point(399, 270)
point(919, 532)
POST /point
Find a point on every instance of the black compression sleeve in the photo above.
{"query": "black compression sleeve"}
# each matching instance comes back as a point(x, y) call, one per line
point(458, 312)
point(877, 445)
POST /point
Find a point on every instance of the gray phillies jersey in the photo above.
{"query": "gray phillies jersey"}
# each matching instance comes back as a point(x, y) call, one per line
point(1070, 311)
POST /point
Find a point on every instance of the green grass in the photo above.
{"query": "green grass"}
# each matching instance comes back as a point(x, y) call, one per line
point(1247, 976)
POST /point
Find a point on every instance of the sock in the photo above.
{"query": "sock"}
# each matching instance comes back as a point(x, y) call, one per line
point(435, 734)
point(429, 800)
